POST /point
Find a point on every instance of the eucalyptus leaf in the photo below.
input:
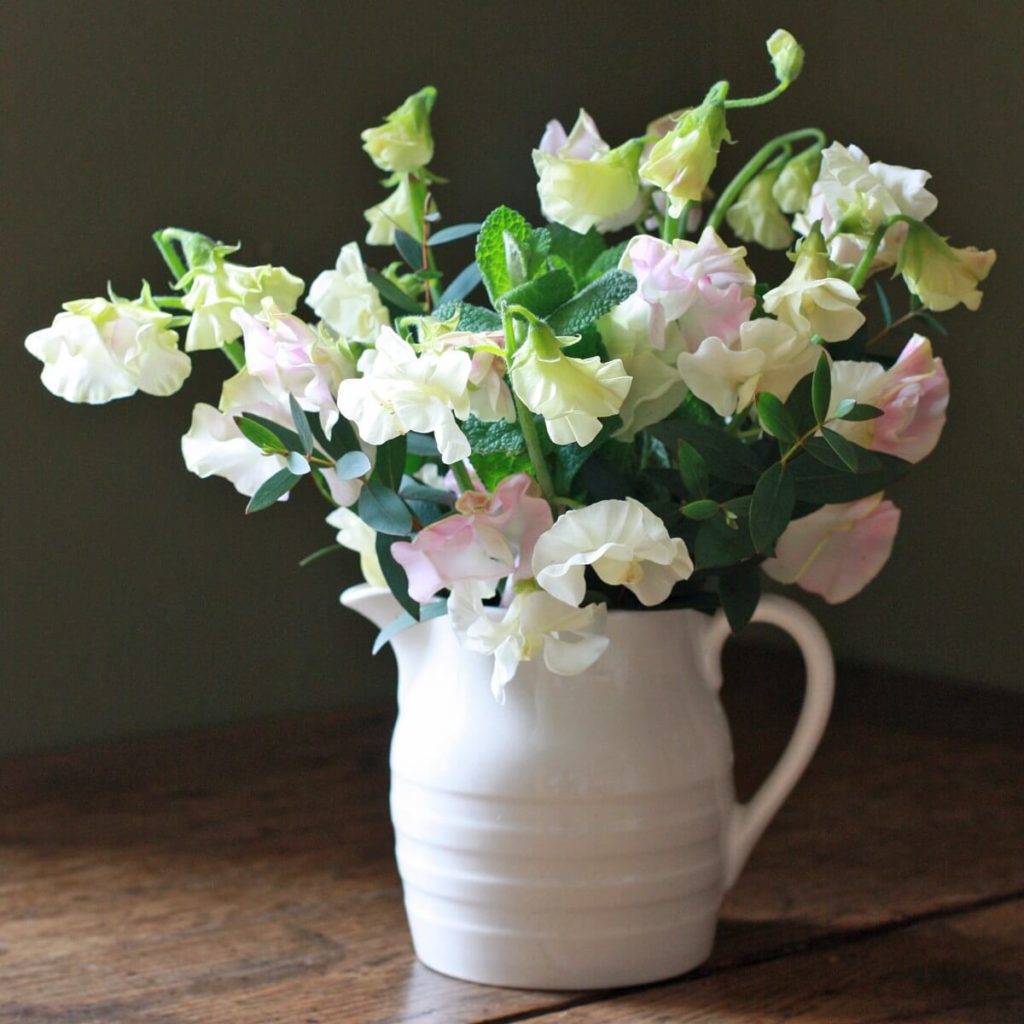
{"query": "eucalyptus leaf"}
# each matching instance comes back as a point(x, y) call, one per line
point(258, 434)
point(422, 444)
point(404, 621)
point(394, 575)
point(799, 406)
point(297, 463)
point(343, 436)
point(315, 556)
point(462, 284)
point(389, 464)
point(409, 249)
point(291, 440)
point(453, 233)
point(412, 490)
point(352, 465)
point(271, 490)
point(883, 303)
point(393, 296)
point(771, 507)
point(301, 425)
point(382, 510)
point(821, 388)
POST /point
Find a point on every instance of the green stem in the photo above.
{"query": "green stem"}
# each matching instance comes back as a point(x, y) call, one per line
point(753, 165)
point(235, 353)
point(171, 257)
point(169, 300)
point(757, 101)
point(462, 477)
point(863, 268)
point(675, 227)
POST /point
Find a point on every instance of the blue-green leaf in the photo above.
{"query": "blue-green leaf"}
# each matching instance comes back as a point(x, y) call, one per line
point(393, 296)
point(409, 249)
point(389, 462)
point(297, 463)
point(271, 490)
point(405, 620)
point(301, 425)
point(382, 510)
point(462, 284)
point(451, 234)
point(394, 575)
point(352, 465)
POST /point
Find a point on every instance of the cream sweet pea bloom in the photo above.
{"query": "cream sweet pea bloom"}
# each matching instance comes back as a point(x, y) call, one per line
point(583, 183)
point(98, 350)
point(625, 543)
point(769, 356)
point(217, 288)
point(571, 394)
point(940, 275)
point(400, 391)
point(355, 535)
point(569, 639)
point(396, 212)
point(682, 161)
point(346, 301)
point(756, 217)
point(813, 302)
point(855, 195)
point(403, 143)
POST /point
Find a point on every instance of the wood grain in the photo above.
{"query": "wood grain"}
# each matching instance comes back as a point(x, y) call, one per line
point(245, 874)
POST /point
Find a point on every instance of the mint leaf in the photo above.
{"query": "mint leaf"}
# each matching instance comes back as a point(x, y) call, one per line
point(493, 250)
point(592, 302)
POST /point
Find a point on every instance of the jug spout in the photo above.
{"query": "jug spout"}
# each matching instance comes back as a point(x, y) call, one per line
point(379, 605)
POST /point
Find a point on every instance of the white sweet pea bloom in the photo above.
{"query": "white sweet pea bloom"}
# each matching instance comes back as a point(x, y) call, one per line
point(355, 535)
point(290, 358)
point(940, 275)
point(769, 356)
point(583, 183)
point(403, 143)
point(397, 211)
point(813, 302)
point(98, 350)
point(400, 391)
point(571, 394)
point(346, 301)
point(855, 195)
point(756, 217)
point(569, 639)
point(625, 543)
point(489, 395)
point(217, 288)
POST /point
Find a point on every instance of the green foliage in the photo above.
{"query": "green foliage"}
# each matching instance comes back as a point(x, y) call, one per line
point(462, 284)
point(409, 249)
point(501, 241)
point(260, 435)
point(771, 507)
point(821, 388)
point(702, 508)
point(383, 510)
point(592, 302)
point(719, 546)
point(405, 620)
point(577, 252)
point(452, 233)
point(725, 457)
point(288, 438)
point(739, 590)
point(799, 406)
point(775, 418)
point(394, 575)
point(544, 294)
point(499, 450)
point(393, 297)
point(818, 483)
point(301, 426)
point(270, 490)
point(693, 470)
point(471, 318)
point(853, 456)
point(390, 462)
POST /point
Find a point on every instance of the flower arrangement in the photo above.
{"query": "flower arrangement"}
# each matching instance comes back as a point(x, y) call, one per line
point(610, 410)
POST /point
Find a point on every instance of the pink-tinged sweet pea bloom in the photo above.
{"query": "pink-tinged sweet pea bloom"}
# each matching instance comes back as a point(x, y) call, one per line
point(913, 395)
point(838, 550)
point(489, 537)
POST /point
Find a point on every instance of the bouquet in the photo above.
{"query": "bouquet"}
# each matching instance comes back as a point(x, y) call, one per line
point(609, 410)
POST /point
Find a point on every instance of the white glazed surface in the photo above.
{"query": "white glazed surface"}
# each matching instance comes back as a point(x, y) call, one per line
point(583, 833)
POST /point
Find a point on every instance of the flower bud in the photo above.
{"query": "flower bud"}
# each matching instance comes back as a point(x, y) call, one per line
point(681, 163)
point(940, 275)
point(792, 188)
point(787, 55)
point(756, 217)
point(403, 143)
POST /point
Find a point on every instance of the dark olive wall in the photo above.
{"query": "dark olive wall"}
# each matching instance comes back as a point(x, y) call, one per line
point(137, 597)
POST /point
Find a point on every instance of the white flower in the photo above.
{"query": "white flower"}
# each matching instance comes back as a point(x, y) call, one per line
point(569, 639)
point(403, 142)
point(571, 394)
point(355, 535)
point(811, 301)
point(769, 356)
point(346, 301)
point(397, 211)
point(217, 288)
point(583, 183)
point(99, 350)
point(625, 543)
point(756, 216)
point(399, 392)
point(940, 275)
point(855, 196)
point(489, 395)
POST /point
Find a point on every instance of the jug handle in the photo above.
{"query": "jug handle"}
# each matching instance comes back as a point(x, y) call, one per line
point(748, 821)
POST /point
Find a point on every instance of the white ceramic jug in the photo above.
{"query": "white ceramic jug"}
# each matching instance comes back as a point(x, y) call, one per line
point(583, 833)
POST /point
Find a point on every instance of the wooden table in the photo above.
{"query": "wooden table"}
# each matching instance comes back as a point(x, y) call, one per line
point(245, 875)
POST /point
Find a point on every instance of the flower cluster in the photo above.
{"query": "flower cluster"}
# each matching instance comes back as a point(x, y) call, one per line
point(614, 409)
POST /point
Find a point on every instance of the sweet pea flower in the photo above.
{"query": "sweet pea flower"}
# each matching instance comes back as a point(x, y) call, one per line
point(290, 358)
point(838, 550)
point(98, 350)
point(913, 395)
point(216, 288)
point(490, 537)
point(355, 535)
point(787, 55)
point(681, 162)
point(571, 394)
point(813, 302)
point(792, 188)
point(583, 183)
point(769, 356)
point(940, 275)
point(346, 301)
point(489, 396)
point(403, 143)
point(398, 211)
point(214, 445)
point(625, 543)
point(756, 217)
point(704, 288)
point(569, 639)
point(855, 196)
point(400, 391)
